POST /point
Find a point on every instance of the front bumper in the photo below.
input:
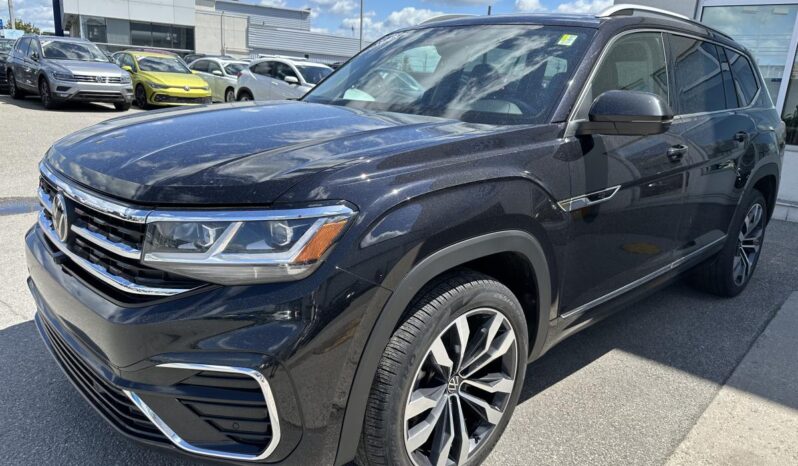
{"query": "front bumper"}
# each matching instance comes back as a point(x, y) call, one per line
point(178, 96)
point(169, 357)
point(92, 92)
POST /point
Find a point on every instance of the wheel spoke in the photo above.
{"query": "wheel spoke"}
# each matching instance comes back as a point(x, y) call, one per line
point(488, 333)
point(422, 400)
point(463, 333)
point(498, 349)
point(444, 437)
point(464, 446)
point(492, 383)
point(440, 357)
point(746, 262)
point(421, 432)
point(485, 409)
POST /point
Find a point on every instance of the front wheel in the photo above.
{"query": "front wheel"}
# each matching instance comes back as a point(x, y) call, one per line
point(122, 106)
point(46, 95)
point(449, 378)
point(728, 273)
point(141, 97)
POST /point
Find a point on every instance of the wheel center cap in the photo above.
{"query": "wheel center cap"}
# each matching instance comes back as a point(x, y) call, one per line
point(454, 384)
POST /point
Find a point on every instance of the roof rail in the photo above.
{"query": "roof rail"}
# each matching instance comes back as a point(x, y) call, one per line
point(435, 19)
point(626, 9)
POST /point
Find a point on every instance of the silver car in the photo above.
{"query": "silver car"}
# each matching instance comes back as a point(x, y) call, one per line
point(278, 78)
point(220, 74)
point(62, 69)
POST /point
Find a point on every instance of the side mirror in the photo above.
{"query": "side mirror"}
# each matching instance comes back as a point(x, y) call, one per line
point(216, 72)
point(627, 113)
point(34, 56)
point(127, 68)
point(291, 80)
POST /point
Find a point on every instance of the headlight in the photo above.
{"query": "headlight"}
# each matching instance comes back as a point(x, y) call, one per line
point(156, 85)
point(64, 76)
point(235, 248)
point(125, 79)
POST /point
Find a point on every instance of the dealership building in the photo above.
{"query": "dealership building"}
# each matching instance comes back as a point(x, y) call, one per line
point(202, 26)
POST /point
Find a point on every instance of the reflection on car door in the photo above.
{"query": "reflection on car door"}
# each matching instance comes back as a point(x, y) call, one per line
point(20, 67)
point(718, 138)
point(262, 72)
point(636, 185)
point(32, 64)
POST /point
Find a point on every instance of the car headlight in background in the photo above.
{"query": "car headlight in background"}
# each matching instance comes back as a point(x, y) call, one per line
point(64, 76)
point(125, 79)
point(236, 248)
point(156, 85)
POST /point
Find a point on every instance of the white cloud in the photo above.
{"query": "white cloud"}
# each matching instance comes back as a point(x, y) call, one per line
point(373, 29)
point(583, 6)
point(320, 30)
point(335, 7)
point(529, 5)
point(463, 2)
point(37, 12)
point(279, 3)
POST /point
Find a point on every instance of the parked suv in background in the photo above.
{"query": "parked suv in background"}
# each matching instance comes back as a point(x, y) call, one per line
point(61, 69)
point(221, 75)
point(276, 78)
point(5, 48)
point(360, 276)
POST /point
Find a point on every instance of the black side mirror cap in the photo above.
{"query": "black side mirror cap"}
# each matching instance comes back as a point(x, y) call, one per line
point(627, 113)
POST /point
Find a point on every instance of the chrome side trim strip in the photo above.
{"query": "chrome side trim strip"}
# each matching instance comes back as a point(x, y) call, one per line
point(640, 281)
point(105, 206)
point(119, 249)
point(184, 445)
point(99, 272)
point(248, 215)
point(587, 200)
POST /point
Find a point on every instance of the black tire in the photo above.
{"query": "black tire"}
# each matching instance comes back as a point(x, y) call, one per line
point(229, 95)
point(722, 275)
point(429, 317)
point(141, 98)
point(46, 95)
point(122, 106)
point(13, 90)
point(244, 96)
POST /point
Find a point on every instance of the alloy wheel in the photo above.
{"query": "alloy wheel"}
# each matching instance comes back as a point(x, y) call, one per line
point(44, 92)
point(141, 97)
point(749, 244)
point(462, 389)
point(12, 85)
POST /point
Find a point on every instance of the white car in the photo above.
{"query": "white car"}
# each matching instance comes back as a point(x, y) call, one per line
point(221, 75)
point(277, 78)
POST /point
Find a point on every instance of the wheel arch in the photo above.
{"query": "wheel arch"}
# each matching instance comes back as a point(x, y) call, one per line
point(243, 90)
point(766, 180)
point(478, 253)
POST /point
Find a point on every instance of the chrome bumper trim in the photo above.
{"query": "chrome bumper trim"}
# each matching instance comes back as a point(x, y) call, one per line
point(99, 272)
point(184, 445)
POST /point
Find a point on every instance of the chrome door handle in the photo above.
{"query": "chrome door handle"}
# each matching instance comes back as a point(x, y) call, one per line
point(676, 153)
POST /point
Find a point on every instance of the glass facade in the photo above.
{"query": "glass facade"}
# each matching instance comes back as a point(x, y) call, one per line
point(117, 33)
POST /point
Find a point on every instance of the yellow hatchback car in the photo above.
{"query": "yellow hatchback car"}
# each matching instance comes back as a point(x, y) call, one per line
point(162, 79)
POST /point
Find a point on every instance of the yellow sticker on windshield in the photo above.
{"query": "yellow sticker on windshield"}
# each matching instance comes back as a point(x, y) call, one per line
point(567, 40)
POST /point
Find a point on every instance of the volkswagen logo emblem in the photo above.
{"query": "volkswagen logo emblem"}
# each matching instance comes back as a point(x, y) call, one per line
point(100, 79)
point(186, 88)
point(60, 218)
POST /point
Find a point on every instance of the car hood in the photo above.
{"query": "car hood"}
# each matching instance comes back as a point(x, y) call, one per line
point(173, 79)
point(235, 154)
point(86, 67)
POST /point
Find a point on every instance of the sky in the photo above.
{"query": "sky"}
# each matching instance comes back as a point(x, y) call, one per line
point(341, 17)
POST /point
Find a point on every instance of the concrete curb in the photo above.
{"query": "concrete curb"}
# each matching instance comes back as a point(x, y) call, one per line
point(786, 211)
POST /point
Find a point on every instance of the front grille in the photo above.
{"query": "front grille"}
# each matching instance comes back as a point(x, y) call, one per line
point(168, 99)
point(233, 404)
point(106, 250)
point(99, 96)
point(109, 400)
point(85, 78)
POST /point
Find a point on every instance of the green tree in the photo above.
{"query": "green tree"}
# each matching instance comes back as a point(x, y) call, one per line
point(27, 27)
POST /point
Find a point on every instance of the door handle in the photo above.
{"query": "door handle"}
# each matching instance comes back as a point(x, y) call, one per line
point(741, 136)
point(677, 152)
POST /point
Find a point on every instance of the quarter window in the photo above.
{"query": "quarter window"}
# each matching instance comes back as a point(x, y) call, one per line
point(745, 82)
point(699, 78)
point(635, 62)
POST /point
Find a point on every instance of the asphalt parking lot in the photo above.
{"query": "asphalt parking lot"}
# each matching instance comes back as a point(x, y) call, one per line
point(626, 391)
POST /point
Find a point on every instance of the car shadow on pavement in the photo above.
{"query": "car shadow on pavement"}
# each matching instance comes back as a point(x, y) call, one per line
point(33, 103)
point(684, 328)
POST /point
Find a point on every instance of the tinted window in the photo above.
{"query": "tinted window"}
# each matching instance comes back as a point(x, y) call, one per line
point(22, 46)
point(235, 68)
point(263, 68)
point(213, 66)
point(33, 47)
point(745, 82)
point(282, 70)
point(162, 64)
point(699, 82)
point(635, 62)
point(313, 74)
point(200, 65)
point(493, 74)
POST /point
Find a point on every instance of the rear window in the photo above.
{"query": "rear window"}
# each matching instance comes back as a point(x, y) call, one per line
point(699, 78)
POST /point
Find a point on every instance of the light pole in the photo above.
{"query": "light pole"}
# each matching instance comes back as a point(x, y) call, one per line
point(361, 24)
point(11, 14)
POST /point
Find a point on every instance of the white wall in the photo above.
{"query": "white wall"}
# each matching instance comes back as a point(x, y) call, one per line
point(208, 33)
point(178, 12)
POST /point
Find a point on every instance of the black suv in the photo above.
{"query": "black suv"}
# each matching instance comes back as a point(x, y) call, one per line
point(364, 274)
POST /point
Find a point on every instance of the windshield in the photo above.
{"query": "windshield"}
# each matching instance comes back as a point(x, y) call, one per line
point(67, 50)
point(501, 74)
point(162, 64)
point(235, 68)
point(313, 74)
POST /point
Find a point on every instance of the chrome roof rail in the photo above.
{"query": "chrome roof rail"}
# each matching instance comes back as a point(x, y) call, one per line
point(435, 19)
point(616, 10)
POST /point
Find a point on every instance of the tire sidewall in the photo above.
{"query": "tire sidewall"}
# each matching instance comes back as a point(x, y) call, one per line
point(726, 258)
point(462, 302)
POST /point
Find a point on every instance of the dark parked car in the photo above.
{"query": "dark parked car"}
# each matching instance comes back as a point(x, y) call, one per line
point(64, 69)
point(355, 277)
point(5, 48)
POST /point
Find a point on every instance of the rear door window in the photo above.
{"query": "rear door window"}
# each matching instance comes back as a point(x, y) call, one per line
point(635, 62)
point(745, 82)
point(22, 47)
point(699, 79)
point(200, 65)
